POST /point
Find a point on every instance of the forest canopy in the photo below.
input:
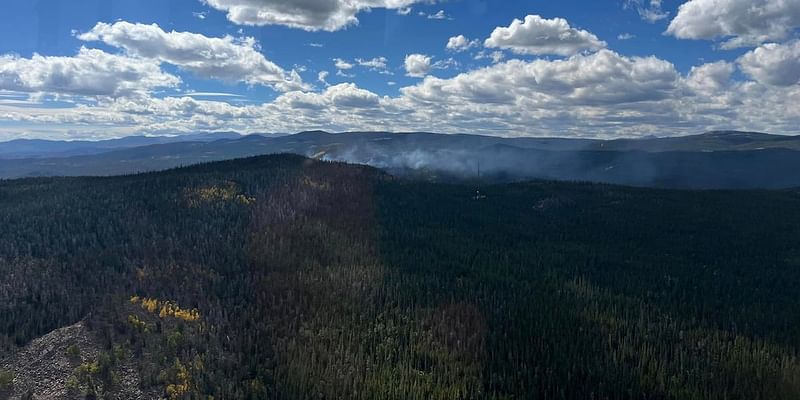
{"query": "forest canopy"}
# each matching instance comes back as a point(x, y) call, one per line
point(286, 278)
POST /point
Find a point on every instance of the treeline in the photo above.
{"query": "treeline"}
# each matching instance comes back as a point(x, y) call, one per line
point(284, 278)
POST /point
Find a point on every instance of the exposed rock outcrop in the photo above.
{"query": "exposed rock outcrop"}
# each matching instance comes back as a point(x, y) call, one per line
point(44, 367)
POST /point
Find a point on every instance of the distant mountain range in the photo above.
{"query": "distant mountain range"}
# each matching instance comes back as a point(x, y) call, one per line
point(38, 148)
point(714, 160)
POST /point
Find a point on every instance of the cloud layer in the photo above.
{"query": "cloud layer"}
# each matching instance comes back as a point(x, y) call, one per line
point(588, 90)
point(603, 94)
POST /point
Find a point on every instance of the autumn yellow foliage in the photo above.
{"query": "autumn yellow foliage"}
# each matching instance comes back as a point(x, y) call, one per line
point(181, 387)
point(138, 323)
point(176, 391)
point(166, 309)
point(223, 192)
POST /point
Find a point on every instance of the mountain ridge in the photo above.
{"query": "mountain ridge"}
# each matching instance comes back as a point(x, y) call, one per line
point(713, 160)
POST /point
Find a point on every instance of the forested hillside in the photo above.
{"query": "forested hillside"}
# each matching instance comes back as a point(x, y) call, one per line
point(279, 277)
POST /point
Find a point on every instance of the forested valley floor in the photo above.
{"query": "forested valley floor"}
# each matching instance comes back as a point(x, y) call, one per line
point(279, 277)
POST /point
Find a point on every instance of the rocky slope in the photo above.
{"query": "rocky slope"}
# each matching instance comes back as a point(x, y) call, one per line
point(47, 368)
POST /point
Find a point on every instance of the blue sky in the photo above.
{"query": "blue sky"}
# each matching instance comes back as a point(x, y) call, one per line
point(101, 68)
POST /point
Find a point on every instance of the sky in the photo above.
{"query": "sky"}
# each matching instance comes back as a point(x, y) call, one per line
point(96, 69)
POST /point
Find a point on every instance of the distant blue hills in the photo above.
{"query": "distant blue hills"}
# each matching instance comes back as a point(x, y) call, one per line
point(713, 160)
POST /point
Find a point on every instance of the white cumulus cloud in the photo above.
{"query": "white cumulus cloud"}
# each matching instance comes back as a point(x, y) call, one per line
point(417, 65)
point(711, 77)
point(342, 64)
point(91, 72)
point(650, 12)
point(461, 43)
point(227, 58)
point(322, 77)
point(742, 22)
point(773, 64)
point(537, 35)
point(374, 64)
point(604, 77)
point(310, 15)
